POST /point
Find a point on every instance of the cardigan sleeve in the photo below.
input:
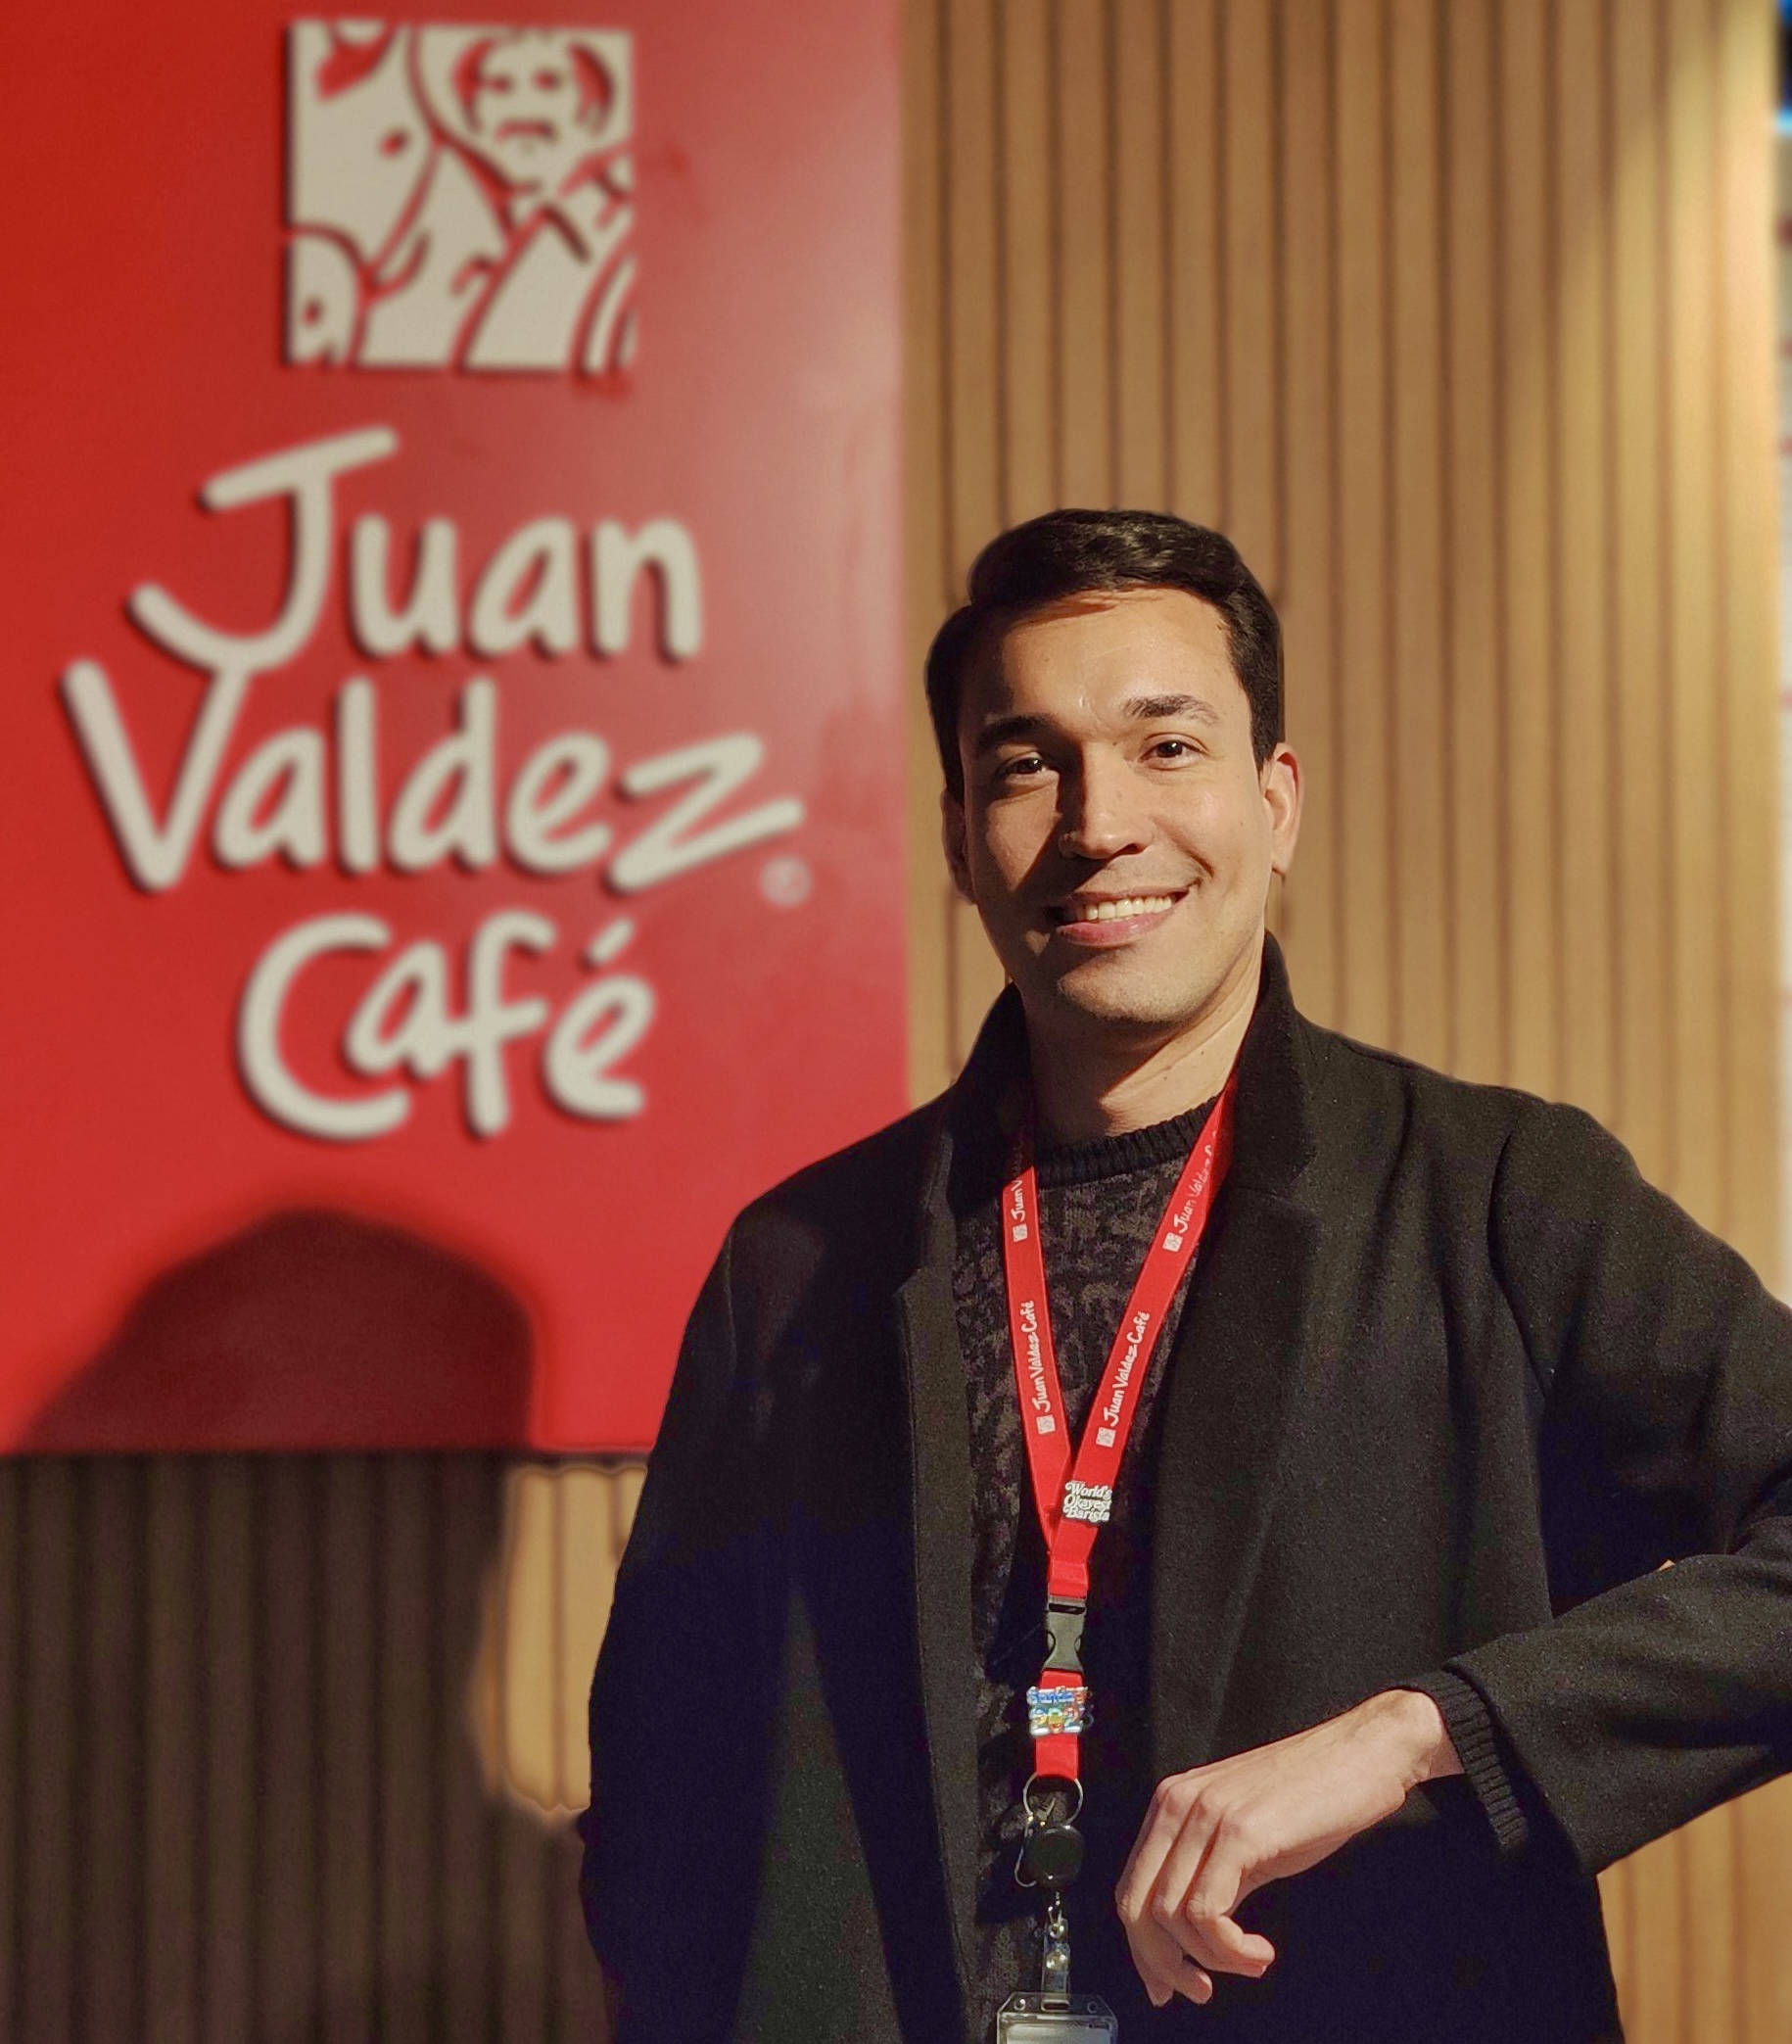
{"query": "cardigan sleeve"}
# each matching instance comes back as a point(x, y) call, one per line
point(1481, 1750)
point(673, 1696)
point(1664, 1685)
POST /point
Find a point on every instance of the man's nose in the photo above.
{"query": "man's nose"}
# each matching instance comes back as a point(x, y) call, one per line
point(1100, 815)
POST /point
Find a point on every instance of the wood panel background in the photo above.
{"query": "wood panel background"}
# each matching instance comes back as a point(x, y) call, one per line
point(1456, 315)
point(241, 1727)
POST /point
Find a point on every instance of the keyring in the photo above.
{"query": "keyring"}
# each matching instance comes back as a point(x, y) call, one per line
point(1042, 1816)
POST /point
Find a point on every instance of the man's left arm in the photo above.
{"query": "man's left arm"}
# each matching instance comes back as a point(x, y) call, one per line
point(1665, 1373)
point(1667, 1437)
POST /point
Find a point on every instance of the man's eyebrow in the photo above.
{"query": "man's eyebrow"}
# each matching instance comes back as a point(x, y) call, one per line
point(1000, 730)
point(1148, 708)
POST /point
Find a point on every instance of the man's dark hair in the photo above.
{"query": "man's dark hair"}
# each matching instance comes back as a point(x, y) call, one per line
point(1075, 554)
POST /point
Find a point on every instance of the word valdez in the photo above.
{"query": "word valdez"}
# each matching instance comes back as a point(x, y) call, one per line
point(278, 802)
point(281, 800)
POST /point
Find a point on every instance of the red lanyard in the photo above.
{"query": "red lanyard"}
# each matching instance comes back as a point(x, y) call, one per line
point(1074, 1500)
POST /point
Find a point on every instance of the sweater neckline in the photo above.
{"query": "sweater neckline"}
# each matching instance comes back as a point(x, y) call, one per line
point(1114, 1156)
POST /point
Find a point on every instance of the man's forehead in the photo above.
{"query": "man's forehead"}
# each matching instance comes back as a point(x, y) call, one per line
point(1133, 653)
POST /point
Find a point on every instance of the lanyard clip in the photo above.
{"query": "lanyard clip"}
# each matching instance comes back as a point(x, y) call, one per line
point(1064, 1629)
point(1055, 1974)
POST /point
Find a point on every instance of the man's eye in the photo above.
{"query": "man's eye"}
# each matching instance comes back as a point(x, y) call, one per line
point(1021, 768)
point(1172, 748)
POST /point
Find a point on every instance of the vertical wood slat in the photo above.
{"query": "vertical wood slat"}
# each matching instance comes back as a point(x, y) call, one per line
point(588, 1551)
point(110, 1827)
point(1746, 62)
point(1256, 82)
point(1764, 1827)
point(1309, 608)
point(522, 1924)
point(463, 1550)
point(970, 272)
point(595, 1509)
point(1365, 783)
point(1029, 263)
point(226, 1586)
point(1689, 129)
point(410, 1705)
point(173, 1781)
point(565, 1528)
point(1476, 910)
point(1762, 1823)
point(1527, 538)
point(1713, 2005)
point(1653, 1995)
point(51, 1755)
point(1252, 399)
point(1582, 728)
point(287, 1572)
point(349, 1913)
point(1419, 705)
point(1638, 544)
point(625, 1496)
point(1135, 116)
point(1197, 280)
point(532, 1749)
point(1085, 255)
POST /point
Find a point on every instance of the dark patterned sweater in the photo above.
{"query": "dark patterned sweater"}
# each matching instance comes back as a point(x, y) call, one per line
point(1098, 1206)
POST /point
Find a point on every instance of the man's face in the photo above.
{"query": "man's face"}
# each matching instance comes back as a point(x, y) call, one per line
point(1116, 833)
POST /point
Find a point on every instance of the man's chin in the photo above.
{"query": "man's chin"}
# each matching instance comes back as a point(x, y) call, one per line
point(1104, 993)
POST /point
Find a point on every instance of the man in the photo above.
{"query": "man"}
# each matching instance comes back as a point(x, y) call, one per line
point(1382, 1666)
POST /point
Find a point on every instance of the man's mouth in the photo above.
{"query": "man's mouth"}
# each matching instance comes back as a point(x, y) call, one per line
point(1110, 908)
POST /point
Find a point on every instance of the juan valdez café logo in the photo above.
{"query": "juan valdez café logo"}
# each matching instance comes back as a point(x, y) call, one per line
point(308, 791)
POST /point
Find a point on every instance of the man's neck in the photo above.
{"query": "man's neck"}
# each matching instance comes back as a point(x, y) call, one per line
point(1085, 1088)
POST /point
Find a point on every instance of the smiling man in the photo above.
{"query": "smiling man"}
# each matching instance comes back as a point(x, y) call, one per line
point(1188, 1506)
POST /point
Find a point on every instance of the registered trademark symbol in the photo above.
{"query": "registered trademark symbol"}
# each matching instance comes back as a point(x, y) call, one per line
point(786, 880)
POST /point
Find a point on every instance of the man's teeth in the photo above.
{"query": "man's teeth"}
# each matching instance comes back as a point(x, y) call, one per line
point(1114, 911)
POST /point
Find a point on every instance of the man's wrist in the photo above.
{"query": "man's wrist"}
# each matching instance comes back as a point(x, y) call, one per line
point(1423, 1741)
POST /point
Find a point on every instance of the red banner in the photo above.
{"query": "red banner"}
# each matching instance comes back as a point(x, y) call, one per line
point(451, 726)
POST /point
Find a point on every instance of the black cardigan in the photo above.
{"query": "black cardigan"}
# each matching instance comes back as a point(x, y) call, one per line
point(1454, 1383)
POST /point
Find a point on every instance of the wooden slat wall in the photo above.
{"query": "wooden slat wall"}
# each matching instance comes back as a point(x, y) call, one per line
point(1455, 315)
point(241, 1799)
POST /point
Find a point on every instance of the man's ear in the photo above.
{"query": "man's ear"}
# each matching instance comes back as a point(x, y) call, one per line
point(1281, 782)
point(952, 838)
